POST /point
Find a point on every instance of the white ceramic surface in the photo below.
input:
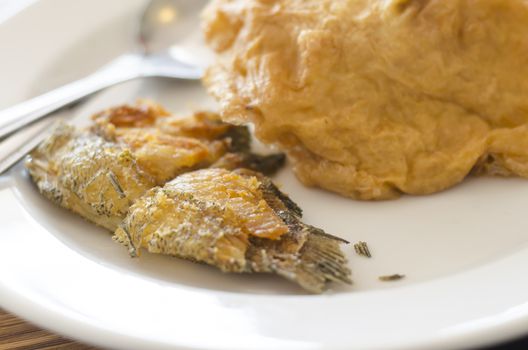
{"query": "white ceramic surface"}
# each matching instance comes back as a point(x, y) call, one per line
point(464, 251)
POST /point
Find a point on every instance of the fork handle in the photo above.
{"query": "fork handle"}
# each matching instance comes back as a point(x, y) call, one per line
point(16, 146)
point(123, 68)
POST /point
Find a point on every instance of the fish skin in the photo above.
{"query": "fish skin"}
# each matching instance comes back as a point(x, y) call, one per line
point(181, 220)
point(305, 255)
point(166, 145)
point(82, 172)
point(169, 145)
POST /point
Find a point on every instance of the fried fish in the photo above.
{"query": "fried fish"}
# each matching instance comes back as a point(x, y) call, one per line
point(166, 145)
point(213, 211)
point(237, 221)
point(98, 173)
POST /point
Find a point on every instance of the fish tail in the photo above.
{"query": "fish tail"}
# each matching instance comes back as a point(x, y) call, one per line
point(265, 164)
point(320, 261)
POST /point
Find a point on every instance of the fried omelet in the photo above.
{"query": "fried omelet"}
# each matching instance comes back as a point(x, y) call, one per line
point(373, 98)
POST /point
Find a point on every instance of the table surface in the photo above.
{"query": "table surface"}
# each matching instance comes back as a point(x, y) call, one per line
point(16, 334)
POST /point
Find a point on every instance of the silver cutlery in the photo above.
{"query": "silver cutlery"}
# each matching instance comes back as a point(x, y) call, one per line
point(163, 29)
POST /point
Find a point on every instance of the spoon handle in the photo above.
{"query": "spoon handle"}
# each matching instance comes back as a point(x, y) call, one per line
point(121, 69)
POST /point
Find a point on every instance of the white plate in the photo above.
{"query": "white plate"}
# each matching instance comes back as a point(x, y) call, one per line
point(464, 251)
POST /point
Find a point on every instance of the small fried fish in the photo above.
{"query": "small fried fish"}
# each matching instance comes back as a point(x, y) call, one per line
point(115, 174)
point(237, 221)
point(166, 145)
point(98, 173)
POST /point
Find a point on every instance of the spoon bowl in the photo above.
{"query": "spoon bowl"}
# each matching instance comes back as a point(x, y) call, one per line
point(168, 23)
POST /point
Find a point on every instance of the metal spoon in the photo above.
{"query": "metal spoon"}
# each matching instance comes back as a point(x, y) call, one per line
point(163, 27)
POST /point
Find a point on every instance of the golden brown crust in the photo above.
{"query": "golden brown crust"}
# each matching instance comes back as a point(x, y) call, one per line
point(167, 145)
point(374, 98)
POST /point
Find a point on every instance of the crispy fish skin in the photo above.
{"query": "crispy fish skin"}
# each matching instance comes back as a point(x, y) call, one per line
point(237, 221)
point(94, 178)
point(179, 225)
point(167, 145)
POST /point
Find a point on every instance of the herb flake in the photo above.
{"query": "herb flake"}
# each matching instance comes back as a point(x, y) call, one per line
point(389, 278)
point(362, 249)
